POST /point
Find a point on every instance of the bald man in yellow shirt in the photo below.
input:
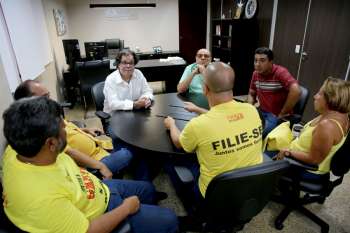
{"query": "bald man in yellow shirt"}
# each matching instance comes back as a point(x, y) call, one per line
point(227, 137)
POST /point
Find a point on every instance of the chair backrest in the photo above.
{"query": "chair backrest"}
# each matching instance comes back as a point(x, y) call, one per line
point(113, 47)
point(98, 96)
point(92, 72)
point(301, 104)
point(239, 195)
point(340, 163)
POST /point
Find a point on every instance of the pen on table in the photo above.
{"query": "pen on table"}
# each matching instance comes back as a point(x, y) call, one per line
point(175, 118)
point(176, 106)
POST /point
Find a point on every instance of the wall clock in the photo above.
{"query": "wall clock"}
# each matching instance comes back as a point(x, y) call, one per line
point(251, 8)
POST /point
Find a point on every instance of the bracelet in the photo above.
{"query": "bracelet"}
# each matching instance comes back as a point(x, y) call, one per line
point(287, 153)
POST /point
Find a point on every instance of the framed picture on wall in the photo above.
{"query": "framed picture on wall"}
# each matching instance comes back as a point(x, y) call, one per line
point(59, 21)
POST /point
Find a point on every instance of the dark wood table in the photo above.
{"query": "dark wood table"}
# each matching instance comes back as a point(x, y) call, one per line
point(144, 129)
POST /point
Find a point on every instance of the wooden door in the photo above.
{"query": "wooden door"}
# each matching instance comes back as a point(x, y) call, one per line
point(289, 31)
point(327, 46)
point(192, 27)
point(326, 42)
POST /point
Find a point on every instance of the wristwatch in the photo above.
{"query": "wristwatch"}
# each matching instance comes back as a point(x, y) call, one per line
point(287, 153)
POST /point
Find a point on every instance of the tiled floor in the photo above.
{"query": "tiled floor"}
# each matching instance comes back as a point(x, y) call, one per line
point(336, 209)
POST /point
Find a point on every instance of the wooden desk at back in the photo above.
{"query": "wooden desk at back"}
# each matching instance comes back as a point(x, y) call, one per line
point(145, 129)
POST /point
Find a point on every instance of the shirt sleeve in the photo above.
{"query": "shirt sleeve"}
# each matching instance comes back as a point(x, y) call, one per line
point(186, 73)
point(111, 94)
point(252, 82)
point(286, 78)
point(146, 89)
point(188, 138)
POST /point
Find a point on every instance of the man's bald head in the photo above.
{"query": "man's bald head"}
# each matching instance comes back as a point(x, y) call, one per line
point(30, 88)
point(219, 77)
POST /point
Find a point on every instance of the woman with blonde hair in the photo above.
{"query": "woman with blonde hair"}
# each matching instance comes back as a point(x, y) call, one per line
point(325, 134)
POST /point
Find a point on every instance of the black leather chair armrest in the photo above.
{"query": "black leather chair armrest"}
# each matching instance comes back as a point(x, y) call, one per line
point(102, 115)
point(184, 174)
point(299, 164)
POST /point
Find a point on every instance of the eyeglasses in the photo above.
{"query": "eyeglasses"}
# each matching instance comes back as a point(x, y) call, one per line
point(202, 55)
point(127, 63)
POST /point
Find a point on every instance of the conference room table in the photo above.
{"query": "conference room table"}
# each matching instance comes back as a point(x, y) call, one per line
point(145, 130)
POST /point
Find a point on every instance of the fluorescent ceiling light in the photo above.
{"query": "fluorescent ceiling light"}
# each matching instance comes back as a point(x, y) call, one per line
point(126, 5)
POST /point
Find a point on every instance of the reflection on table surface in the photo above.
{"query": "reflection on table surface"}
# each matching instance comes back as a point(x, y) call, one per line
point(145, 129)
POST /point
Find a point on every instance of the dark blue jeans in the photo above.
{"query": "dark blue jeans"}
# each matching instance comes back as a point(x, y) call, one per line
point(270, 122)
point(141, 165)
point(189, 194)
point(149, 218)
point(117, 160)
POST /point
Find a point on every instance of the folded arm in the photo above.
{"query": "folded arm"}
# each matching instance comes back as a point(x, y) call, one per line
point(84, 160)
point(110, 220)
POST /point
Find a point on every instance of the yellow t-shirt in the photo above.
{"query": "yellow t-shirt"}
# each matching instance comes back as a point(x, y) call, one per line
point(226, 137)
point(86, 143)
point(304, 141)
point(56, 198)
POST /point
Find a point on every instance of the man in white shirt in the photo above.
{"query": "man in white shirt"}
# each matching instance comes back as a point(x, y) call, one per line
point(126, 88)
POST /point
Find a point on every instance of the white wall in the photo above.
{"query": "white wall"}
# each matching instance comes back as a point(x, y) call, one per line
point(55, 83)
point(145, 28)
point(5, 100)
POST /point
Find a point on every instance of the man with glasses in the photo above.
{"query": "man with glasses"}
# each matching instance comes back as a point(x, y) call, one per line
point(126, 88)
point(192, 78)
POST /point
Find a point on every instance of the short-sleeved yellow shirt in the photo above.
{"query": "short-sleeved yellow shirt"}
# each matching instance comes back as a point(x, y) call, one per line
point(225, 138)
point(86, 143)
point(56, 198)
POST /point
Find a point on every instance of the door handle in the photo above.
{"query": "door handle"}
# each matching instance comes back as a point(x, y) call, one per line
point(304, 56)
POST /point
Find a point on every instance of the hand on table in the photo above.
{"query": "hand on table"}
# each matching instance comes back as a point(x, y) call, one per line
point(143, 102)
point(191, 107)
point(168, 122)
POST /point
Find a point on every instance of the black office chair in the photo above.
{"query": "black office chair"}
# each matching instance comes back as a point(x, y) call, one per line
point(234, 197)
point(90, 73)
point(312, 191)
point(299, 107)
point(113, 47)
point(98, 98)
